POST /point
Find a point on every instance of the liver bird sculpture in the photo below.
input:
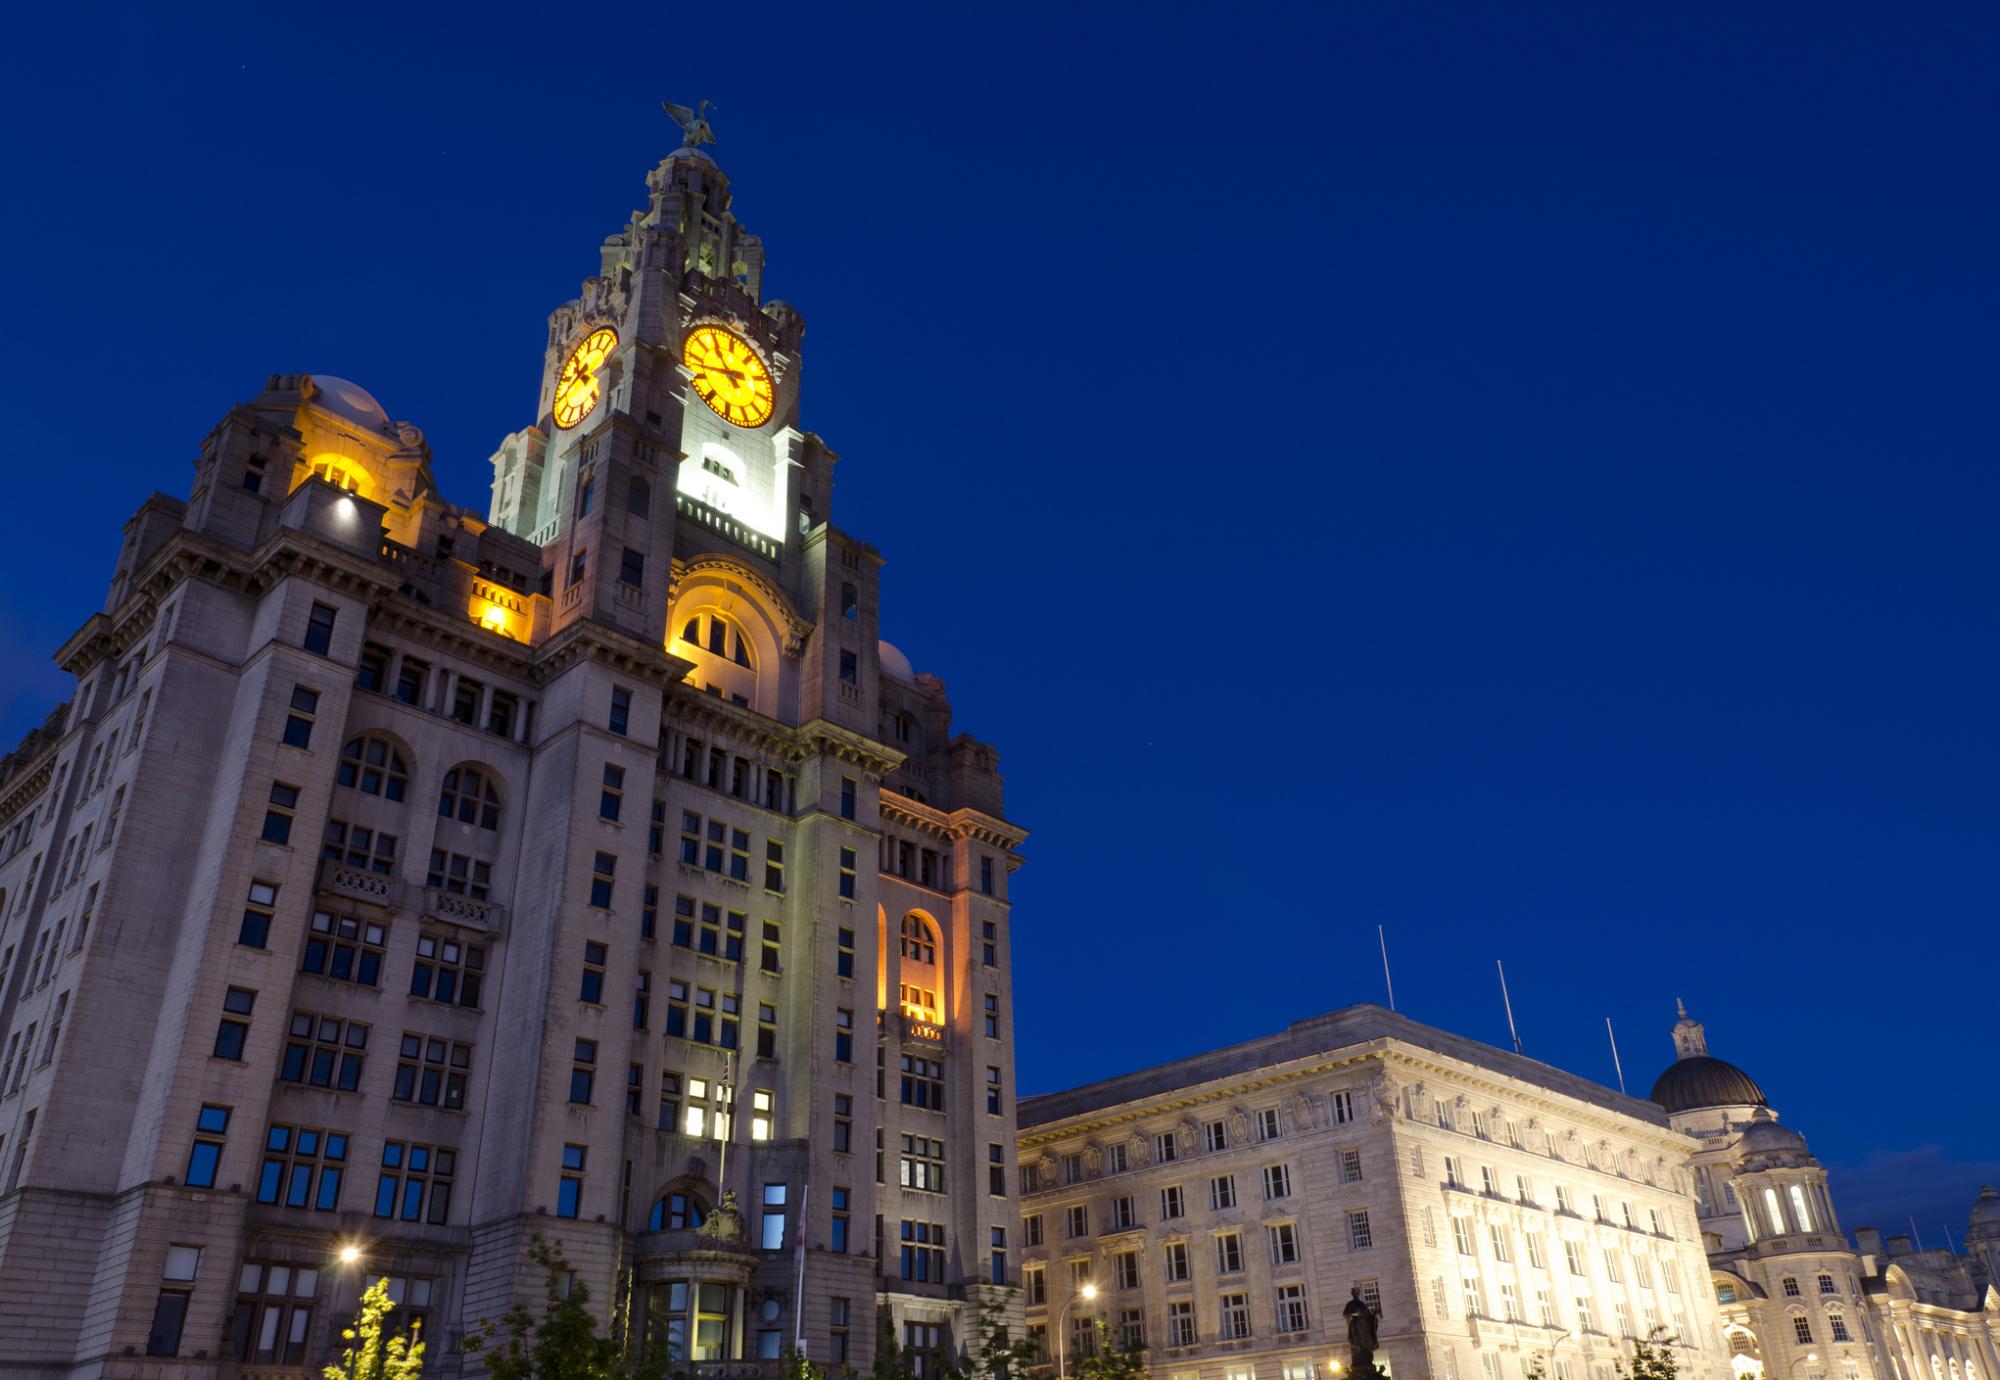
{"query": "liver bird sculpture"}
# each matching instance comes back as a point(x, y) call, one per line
point(695, 129)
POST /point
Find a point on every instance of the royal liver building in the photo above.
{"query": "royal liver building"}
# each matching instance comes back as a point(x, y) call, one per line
point(406, 883)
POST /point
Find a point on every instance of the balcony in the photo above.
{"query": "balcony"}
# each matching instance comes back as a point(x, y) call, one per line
point(726, 526)
point(919, 1031)
point(455, 909)
point(358, 884)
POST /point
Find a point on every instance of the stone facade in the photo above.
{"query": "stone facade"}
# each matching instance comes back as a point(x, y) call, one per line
point(1500, 1213)
point(425, 882)
point(1799, 1299)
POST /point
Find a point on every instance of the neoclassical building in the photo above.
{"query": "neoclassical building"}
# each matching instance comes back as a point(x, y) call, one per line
point(1799, 1299)
point(1500, 1213)
point(407, 881)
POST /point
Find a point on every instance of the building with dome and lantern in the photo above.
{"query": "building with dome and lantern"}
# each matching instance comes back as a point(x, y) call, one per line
point(1800, 1299)
point(406, 881)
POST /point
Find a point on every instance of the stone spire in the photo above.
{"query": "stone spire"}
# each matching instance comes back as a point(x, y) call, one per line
point(1690, 1041)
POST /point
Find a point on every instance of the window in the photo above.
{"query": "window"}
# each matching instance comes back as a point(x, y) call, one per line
point(583, 1072)
point(302, 1168)
point(1343, 1108)
point(1124, 1213)
point(1291, 1308)
point(447, 971)
point(1545, 1307)
point(1031, 1227)
point(992, 1001)
point(299, 723)
point(1573, 1254)
point(1216, 1136)
point(1461, 1235)
point(770, 949)
point(1180, 1323)
point(1802, 1330)
point(843, 1036)
point(923, 1082)
point(255, 932)
point(1076, 1221)
point(324, 1052)
point(1222, 1192)
point(373, 765)
point(1534, 1243)
point(274, 1305)
point(1790, 1287)
point(357, 847)
point(1510, 1301)
point(1501, 1252)
point(170, 1308)
point(1284, 1239)
point(1166, 1148)
point(569, 1191)
point(231, 1034)
point(923, 1165)
point(1228, 1253)
point(592, 987)
point(432, 1071)
point(1277, 1181)
point(344, 948)
point(639, 497)
point(1177, 1261)
point(1350, 1166)
point(923, 1251)
point(211, 1126)
point(579, 565)
point(319, 629)
point(1611, 1271)
point(632, 568)
point(847, 873)
point(1125, 1269)
point(621, 711)
point(850, 670)
point(278, 819)
point(996, 1171)
point(1826, 1285)
point(611, 796)
point(468, 796)
point(649, 912)
point(1235, 1313)
point(1171, 1204)
point(1359, 1237)
point(993, 1090)
point(1838, 1323)
point(415, 1182)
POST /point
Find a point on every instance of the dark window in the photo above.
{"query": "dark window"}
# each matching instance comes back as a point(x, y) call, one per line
point(319, 629)
point(850, 600)
point(299, 724)
point(577, 565)
point(600, 881)
point(278, 819)
point(850, 669)
point(632, 568)
point(847, 797)
point(170, 1312)
point(621, 710)
point(639, 498)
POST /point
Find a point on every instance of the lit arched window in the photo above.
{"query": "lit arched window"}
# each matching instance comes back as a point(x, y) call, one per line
point(373, 765)
point(334, 472)
point(677, 1211)
point(718, 636)
point(919, 939)
point(468, 797)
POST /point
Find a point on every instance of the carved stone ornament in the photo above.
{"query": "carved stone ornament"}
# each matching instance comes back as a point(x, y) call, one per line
point(1239, 1127)
point(1139, 1151)
point(725, 1224)
point(1187, 1132)
point(1304, 1112)
point(1093, 1160)
point(1045, 1171)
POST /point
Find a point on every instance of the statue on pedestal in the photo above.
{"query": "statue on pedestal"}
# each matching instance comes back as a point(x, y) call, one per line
point(1361, 1336)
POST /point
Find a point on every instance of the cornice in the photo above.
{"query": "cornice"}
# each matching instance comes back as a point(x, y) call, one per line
point(915, 815)
point(588, 640)
point(688, 705)
point(974, 824)
point(29, 787)
point(827, 739)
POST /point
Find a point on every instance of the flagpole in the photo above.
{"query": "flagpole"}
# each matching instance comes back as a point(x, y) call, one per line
point(799, 1269)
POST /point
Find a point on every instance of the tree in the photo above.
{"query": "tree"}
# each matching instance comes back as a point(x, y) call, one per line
point(1109, 1361)
point(995, 1353)
point(564, 1344)
point(370, 1356)
point(1652, 1357)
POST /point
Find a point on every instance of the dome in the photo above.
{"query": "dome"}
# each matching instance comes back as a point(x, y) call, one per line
point(894, 664)
point(1986, 1212)
point(347, 400)
point(1766, 1134)
point(1702, 1080)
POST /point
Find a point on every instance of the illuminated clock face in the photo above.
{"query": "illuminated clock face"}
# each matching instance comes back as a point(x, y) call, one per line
point(729, 375)
point(578, 390)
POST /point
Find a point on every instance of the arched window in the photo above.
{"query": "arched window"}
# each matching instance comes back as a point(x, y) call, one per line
point(468, 797)
point(334, 472)
point(373, 765)
point(639, 498)
point(678, 1211)
point(919, 939)
point(850, 600)
point(718, 636)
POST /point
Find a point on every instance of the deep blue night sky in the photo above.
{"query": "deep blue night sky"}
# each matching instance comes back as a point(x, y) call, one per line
point(1522, 479)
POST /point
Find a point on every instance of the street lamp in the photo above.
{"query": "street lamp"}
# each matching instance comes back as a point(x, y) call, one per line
point(349, 1253)
point(1088, 1291)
